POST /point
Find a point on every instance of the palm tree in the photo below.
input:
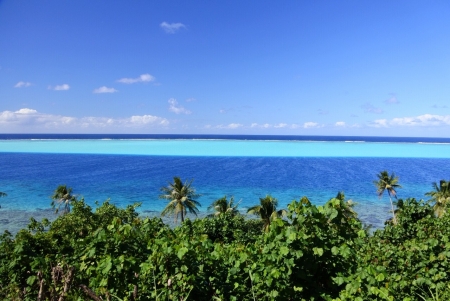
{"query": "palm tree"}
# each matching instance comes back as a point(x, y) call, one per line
point(267, 211)
point(440, 196)
point(387, 183)
point(222, 206)
point(349, 204)
point(181, 198)
point(62, 196)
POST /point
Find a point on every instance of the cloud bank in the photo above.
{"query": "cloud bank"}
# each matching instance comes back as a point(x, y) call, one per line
point(32, 121)
point(425, 120)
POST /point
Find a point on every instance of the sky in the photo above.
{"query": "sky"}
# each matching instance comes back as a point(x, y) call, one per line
point(346, 68)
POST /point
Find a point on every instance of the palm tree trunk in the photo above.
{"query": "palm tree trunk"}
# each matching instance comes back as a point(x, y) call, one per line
point(393, 212)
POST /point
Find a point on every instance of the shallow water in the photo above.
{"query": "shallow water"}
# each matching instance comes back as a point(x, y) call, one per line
point(128, 171)
point(226, 148)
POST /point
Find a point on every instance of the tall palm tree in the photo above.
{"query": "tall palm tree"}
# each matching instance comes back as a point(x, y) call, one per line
point(181, 199)
point(267, 211)
point(62, 196)
point(387, 183)
point(441, 197)
point(223, 206)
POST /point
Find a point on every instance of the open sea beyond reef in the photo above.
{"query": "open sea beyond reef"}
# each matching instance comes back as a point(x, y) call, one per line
point(132, 168)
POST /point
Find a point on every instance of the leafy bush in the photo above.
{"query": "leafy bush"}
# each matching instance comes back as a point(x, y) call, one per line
point(404, 261)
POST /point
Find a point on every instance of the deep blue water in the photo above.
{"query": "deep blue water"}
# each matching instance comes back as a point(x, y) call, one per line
point(30, 178)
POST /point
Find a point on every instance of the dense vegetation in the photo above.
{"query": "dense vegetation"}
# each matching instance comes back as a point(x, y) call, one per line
point(304, 252)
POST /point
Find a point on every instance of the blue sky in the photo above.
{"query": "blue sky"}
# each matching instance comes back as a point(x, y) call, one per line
point(225, 67)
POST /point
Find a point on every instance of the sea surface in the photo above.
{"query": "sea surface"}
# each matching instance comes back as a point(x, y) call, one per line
point(132, 168)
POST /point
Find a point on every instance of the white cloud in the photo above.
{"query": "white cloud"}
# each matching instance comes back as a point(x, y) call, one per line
point(231, 126)
point(191, 99)
point(148, 119)
point(234, 125)
point(26, 111)
point(369, 108)
point(340, 123)
point(22, 84)
point(177, 109)
point(105, 89)
point(30, 120)
point(63, 87)
point(276, 126)
point(143, 78)
point(261, 126)
point(309, 125)
point(172, 27)
point(378, 123)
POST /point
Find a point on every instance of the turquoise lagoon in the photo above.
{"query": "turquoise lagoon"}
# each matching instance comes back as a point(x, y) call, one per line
point(133, 170)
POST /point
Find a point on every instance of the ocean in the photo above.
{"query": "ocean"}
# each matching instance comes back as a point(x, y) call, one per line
point(132, 168)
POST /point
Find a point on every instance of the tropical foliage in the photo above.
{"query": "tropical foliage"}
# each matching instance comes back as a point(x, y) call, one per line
point(181, 199)
point(312, 253)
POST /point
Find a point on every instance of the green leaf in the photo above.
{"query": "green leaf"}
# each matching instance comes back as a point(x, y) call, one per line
point(107, 267)
point(182, 251)
point(380, 277)
point(335, 250)
point(333, 214)
point(318, 251)
point(284, 250)
point(31, 280)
